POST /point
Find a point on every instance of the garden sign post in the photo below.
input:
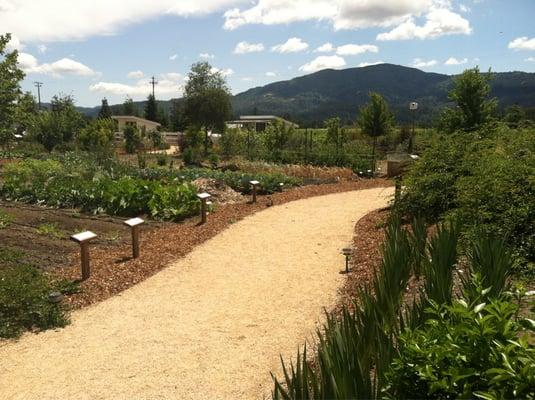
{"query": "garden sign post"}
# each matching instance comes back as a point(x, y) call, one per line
point(254, 184)
point(83, 238)
point(134, 223)
point(203, 197)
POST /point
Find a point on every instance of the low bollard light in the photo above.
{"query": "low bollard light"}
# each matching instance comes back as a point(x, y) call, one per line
point(281, 186)
point(134, 223)
point(55, 297)
point(254, 184)
point(346, 251)
point(83, 238)
point(203, 197)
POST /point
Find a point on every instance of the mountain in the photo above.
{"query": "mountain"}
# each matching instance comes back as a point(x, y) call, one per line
point(310, 99)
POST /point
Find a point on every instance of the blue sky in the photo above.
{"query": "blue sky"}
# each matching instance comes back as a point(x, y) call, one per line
point(111, 48)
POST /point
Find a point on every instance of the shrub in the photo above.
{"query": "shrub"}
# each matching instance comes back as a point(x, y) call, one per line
point(5, 219)
point(465, 351)
point(24, 302)
point(99, 135)
point(133, 139)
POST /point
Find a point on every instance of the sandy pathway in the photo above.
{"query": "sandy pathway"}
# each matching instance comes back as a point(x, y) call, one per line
point(211, 325)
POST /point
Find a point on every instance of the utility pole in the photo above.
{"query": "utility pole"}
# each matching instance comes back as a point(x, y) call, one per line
point(153, 82)
point(38, 86)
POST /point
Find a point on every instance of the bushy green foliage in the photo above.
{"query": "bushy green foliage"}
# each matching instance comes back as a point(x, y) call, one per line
point(73, 183)
point(133, 139)
point(484, 179)
point(465, 351)
point(24, 302)
point(99, 135)
point(5, 219)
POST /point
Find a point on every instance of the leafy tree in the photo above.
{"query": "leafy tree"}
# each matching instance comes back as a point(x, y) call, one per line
point(470, 92)
point(275, 137)
point(49, 129)
point(10, 77)
point(129, 107)
point(207, 99)
point(151, 109)
point(98, 135)
point(163, 118)
point(105, 111)
point(133, 139)
point(375, 119)
point(25, 112)
point(71, 120)
point(177, 117)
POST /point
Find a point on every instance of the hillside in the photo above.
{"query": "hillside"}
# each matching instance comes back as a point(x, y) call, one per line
point(311, 99)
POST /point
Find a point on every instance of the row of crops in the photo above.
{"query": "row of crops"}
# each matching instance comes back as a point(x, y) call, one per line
point(107, 186)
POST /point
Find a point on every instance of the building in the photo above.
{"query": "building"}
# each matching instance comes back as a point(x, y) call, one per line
point(258, 123)
point(140, 123)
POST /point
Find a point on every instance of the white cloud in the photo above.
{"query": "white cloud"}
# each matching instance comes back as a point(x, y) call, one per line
point(342, 14)
point(14, 43)
point(323, 62)
point(206, 56)
point(439, 22)
point(170, 84)
point(292, 45)
point(325, 48)
point(368, 64)
point(247, 79)
point(271, 74)
point(244, 47)
point(59, 20)
point(354, 49)
point(522, 43)
point(135, 74)
point(173, 57)
point(464, 8)
point(42, 48)
point(225, 72)
point(530, 59)
point(454, 61)
point(419, 63)
point(64, 66)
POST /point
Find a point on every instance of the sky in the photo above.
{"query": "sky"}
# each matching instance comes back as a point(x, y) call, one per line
point(112, 48)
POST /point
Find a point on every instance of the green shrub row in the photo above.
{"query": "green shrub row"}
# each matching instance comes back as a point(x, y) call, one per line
point(57, 184)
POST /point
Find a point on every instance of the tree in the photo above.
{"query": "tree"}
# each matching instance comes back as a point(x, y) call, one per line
point(177, 117)
point(151, 109)
point(163, 118)
point(335, 134)
point(133, 139)
point(71, 120)
point(10, 77)
point(375, 119)
point(25, 112)
point(99, 135)
point(470, 92)
point(207, 99)
point(105, 111)
point(129, 107)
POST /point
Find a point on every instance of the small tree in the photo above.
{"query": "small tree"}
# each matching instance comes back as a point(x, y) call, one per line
point(49, 129)
point(98, 136)
point(375, 119)
point(10, 77)
point(105, 111)
point(133, 139)
point(470, 92)
point(207, 99)
point(177, 117)
point(129, 107)
point(151, 109)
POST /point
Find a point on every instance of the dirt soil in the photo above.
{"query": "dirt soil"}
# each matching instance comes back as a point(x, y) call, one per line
point(211, 325)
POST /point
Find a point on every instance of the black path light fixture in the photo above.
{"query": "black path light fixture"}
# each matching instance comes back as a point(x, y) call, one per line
point(134, 223)
point(254, 185)
point(83, 238)
point(203, 197)
point(346, 251)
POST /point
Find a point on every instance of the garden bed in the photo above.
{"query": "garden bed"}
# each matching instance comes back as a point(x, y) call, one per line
point(113, 270)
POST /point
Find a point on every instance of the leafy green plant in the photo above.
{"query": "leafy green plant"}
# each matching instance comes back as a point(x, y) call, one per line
point(5, 219)
point(24, 302)
point(466, 351)
point(50, 229)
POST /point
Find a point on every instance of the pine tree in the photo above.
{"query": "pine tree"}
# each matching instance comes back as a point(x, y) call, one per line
point(129, 107)
point(151, 109)
point(105, 111)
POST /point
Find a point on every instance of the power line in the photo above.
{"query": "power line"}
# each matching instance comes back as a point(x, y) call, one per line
point(153, 82)
point(38, 86)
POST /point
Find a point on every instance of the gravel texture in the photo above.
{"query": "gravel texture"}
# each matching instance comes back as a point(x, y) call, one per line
point(212, 324)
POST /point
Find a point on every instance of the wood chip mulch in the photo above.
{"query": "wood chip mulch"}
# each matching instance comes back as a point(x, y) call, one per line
point(113, 270)
point(366, 258)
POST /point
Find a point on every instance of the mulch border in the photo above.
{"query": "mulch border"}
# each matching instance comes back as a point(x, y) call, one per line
point(113, 270)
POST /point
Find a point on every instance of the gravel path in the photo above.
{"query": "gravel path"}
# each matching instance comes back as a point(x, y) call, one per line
point(211, 325)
